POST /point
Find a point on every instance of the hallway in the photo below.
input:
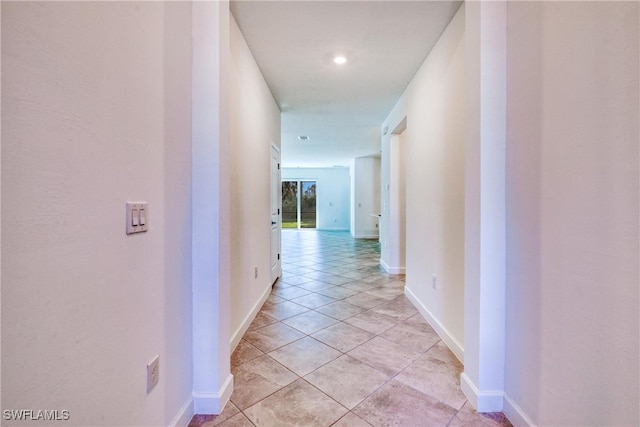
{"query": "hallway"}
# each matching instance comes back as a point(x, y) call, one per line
point(337, 343)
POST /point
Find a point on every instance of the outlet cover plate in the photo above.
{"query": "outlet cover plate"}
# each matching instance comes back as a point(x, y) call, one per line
point(153, 373)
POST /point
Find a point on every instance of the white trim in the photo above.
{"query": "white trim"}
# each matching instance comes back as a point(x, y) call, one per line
point(366, 235)
point(184, 415)
point(213, 403)
point(392, 270)
point(515, 414)
point(454, 345)
point(237, 335)
point(327, 229)
point(482, 401)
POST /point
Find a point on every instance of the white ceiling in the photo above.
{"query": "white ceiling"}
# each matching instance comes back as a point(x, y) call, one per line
point(341, 108)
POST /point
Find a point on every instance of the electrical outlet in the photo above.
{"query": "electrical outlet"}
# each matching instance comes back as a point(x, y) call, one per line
point(434, 282)
point(255, 273)
point(153, 373)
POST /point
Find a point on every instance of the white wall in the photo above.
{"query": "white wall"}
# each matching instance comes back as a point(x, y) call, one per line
point(434, 107)
point(96, 111)
point(365, 197)
point(255, 125)
point(572, 213)
point(332, 192)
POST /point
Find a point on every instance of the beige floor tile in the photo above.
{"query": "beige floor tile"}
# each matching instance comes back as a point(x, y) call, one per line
point(257, 379)
point(385, 292)
point(261, 320)
point(384, 355)
point(396, 404)
point(283, 310)
point(273, 336)
point(310, 322)
point(313, 300)
point(244, 352)
point(273, 299)
point(238, 420)
point(295, 279)
point(354, 274)
point(214, 420)
point(343, 337)
point(419, 324)
point(468, 417)
point(365, 300)
point(360, 286)
point(340, 310)
point(436, 379)
point(406, 335)
point(316, 285)
point(337, 292)
point(347, 380)
point(399, 309)
point(372, 322)
point(334, 298)
point(351, 420)
point(299, 404)
point(305, 355)
point(441, 352)
point(336, 280)
point(291, 292)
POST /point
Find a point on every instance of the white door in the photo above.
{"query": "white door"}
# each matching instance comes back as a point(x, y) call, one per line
point(275, 214)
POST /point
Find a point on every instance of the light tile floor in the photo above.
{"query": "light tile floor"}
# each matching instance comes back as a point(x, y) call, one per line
point(338, 344)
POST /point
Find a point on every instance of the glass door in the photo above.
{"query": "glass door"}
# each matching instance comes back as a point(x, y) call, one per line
point(289, 204)
point(298, 204)
point(308, 204)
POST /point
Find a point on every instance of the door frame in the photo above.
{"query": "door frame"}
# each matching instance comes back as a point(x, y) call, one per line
point(276, 186)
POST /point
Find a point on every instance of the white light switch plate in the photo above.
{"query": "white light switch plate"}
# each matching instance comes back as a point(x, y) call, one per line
point(134, 210)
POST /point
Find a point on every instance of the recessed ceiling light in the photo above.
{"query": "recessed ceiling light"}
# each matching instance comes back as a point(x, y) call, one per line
point(340, 59)
point(303, 138)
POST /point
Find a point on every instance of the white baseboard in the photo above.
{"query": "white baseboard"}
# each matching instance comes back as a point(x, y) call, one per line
point(515, 413)
point(392, 270)
point(370, 235)
point(213, 403)
point(184, 415)
point(494, 401)
point(239, 333)
point(454, 345)
point(331, 229)
point(482, 401)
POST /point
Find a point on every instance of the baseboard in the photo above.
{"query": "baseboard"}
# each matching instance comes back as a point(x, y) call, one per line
point(331, 229)
point(392, 270)
point(482, 401)
point(454, 345)
point(184, 415)
point(239, 333)
point(213, 403)
point(371, 235)
point(515, 413)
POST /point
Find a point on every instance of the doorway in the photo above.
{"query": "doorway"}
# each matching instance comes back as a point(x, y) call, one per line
point(299, 208)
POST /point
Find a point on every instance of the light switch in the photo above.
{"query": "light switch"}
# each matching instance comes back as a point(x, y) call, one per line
point(137, 217)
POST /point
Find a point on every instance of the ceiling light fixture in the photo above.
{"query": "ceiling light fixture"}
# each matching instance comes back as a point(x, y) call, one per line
point(340, 59)
point(303, 138)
